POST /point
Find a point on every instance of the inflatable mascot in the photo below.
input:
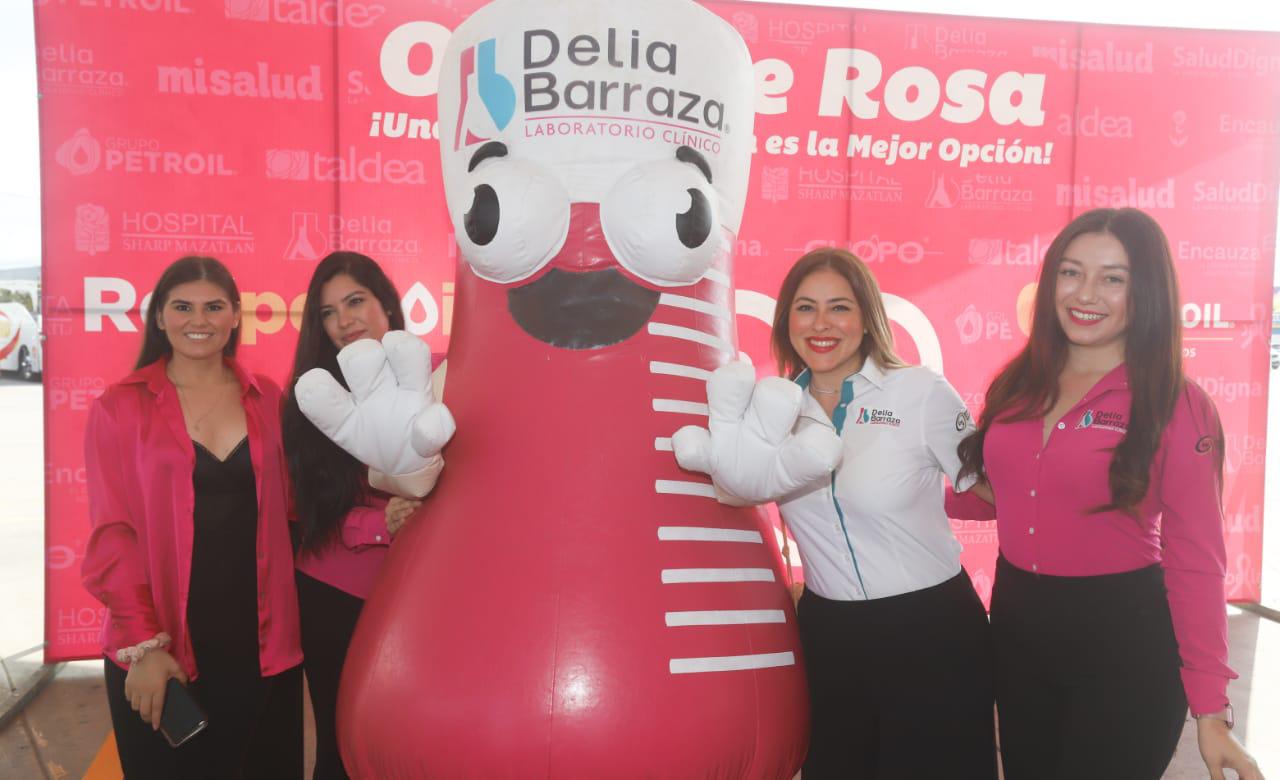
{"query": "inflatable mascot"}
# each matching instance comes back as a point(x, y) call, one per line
point(570, 602)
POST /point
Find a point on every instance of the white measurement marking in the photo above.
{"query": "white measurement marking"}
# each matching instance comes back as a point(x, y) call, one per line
point(731, 663)
point(694, 304)
point(680, 488)
point(675, 369)
point(682, 576)
point(687, 533)
point(680, 407)
point(689, 334)
point(726, 617)
point(717, 276)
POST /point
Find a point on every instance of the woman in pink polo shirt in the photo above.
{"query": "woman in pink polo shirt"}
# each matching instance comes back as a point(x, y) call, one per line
point(345, 525)
point(1104, 464)
point(189, 548)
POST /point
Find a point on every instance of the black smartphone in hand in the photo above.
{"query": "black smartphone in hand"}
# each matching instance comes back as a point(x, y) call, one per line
point(181, 719)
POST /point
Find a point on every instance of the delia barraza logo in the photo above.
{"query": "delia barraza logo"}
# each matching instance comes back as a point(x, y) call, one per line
point(877, 417)
point(305, 241)
point(80, 154)
point(942, 193)
point(636, 89)
point(1103, 421)
point(478, 66)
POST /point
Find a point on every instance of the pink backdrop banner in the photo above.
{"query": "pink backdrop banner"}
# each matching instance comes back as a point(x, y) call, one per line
point(946, 152)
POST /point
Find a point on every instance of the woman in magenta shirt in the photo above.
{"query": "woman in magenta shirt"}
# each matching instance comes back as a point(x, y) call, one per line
point(1104, 464)
point(189, 548)
point(345, 524)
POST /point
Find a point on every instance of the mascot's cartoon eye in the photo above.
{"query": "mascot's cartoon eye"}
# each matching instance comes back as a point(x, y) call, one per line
point(660, 220)
point(481, 221)
point(694, 226)
point(510, 244)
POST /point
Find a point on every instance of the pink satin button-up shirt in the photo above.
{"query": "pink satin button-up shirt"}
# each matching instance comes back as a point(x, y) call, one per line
point(139, 460)
point(352, 561)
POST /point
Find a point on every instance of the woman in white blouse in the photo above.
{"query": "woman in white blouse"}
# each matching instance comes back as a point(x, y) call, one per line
point(896, 641)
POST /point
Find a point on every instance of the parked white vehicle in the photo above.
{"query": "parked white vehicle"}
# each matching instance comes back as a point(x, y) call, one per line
point(20, 349)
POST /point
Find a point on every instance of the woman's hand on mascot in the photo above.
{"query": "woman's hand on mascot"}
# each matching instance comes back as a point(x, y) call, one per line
point(399, 510)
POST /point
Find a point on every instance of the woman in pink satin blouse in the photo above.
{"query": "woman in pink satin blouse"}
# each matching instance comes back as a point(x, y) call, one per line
point(345, 526)
point(190, 548)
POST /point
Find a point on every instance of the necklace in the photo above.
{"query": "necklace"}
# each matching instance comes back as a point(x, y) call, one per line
point(820, 391)
point(217, 401)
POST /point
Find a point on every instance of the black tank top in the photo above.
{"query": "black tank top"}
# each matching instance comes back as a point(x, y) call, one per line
point(222, 601)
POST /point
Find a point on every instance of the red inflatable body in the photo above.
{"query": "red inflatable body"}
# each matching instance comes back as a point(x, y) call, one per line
point(541, 616)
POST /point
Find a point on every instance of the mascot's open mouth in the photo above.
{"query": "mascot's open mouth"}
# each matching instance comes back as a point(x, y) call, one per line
point(582, 309)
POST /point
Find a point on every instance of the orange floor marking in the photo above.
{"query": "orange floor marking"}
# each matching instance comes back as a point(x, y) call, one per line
point(106, 765)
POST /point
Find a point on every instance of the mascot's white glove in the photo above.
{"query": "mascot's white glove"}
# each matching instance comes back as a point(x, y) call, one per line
point(391, 420)
point(750, 450)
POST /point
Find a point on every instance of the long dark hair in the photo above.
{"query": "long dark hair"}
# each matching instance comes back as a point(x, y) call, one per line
point(877, 338)
point(327, 480)
point(155, 344)
point(1027, 386)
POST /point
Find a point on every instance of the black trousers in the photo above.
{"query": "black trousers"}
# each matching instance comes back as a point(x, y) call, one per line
point(1087, 675)
point(254, 732)
point(900, 687)
point(328, 620)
